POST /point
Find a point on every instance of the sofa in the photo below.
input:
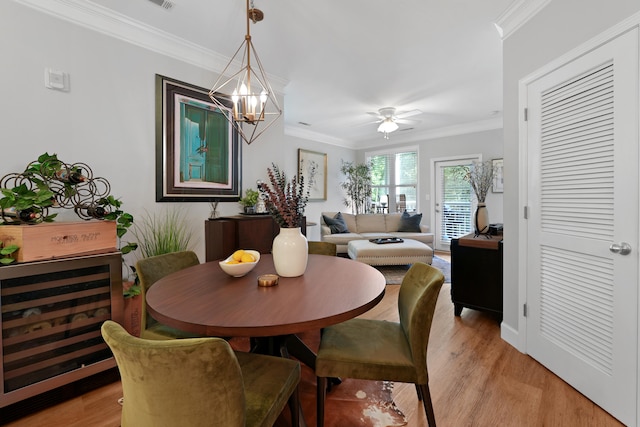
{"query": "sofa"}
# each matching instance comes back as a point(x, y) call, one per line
point(371, 226)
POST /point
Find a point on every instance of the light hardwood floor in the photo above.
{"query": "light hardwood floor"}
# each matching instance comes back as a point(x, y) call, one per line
point(476, 379)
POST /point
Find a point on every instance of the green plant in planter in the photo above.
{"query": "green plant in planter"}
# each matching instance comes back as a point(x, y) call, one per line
point(250, 199)
point(6, 253)
point(163, 233)
point(357, 185)
point(159, 234)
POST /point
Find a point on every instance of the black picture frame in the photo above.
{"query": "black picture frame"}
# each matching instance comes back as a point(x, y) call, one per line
point(198, 151)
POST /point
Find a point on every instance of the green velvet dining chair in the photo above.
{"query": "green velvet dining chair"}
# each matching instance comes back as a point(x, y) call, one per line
point(380, 350)
point(149, 271)
point(322, 248)
point(200, 382)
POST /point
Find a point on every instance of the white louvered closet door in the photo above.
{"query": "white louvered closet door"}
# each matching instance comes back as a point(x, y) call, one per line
point(582, 153)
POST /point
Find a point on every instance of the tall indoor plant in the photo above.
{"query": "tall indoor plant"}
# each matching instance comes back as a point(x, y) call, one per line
point(357, 185)
point(285, 201)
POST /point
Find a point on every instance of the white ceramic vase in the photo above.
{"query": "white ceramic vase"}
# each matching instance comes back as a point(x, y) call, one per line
point(290, 252)
point(482, 219)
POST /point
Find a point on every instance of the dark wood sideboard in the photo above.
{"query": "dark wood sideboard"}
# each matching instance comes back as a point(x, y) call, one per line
point(226, 234)
point(476, 273)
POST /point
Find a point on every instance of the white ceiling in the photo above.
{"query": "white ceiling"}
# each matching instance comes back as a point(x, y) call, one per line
point(339, 59)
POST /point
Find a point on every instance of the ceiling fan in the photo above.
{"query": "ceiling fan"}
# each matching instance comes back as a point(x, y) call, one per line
point(389, 120)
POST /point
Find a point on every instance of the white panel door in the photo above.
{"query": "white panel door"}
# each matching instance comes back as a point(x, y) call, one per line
point(582, 151)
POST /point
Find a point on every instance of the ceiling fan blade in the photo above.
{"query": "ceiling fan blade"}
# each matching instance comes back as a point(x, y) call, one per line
point(408, 121)
point(369, 123)
point(405, 114)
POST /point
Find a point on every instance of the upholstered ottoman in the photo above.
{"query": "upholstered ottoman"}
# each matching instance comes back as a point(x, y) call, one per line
point(406, 252)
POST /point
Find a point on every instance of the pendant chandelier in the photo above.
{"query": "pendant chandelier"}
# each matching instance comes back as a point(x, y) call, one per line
point(255, 107)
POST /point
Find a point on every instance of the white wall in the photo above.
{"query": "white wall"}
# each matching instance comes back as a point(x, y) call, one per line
point(487, 143)
point(107, 118)
point(560, 27)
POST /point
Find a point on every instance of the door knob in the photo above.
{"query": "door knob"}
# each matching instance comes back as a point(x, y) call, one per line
point(622, 248)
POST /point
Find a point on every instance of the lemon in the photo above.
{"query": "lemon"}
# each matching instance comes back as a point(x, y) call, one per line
point(247, 257)
point(233, 261)
point(237, 255)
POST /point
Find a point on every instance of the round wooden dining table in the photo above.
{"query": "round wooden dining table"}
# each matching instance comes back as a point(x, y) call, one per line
point(204, 300)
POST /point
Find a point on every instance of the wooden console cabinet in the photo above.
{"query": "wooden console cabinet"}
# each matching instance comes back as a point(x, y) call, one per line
point(476, 274)
point(225, 235)
point(52, 312)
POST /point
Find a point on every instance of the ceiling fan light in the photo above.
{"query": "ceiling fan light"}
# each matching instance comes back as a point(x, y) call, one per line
point(388, 126)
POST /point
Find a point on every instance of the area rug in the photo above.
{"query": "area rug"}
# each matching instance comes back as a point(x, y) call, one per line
point(394, 273)
point(351, 403)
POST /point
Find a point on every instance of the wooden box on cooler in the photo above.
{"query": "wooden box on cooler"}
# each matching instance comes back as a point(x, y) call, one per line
point(59, 239)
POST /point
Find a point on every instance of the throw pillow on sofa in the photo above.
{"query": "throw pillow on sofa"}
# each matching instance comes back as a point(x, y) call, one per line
point(336, 224)
point(410, 223)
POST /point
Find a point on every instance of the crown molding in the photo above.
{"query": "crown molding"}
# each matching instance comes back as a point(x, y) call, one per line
point(105, 21)
point(317, 137)
point(517, 14)
point(461, 129)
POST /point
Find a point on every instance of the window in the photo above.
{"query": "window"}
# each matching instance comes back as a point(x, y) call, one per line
point(394, 180)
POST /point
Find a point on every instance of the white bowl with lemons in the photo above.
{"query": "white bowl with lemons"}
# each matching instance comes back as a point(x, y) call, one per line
point(240, 262)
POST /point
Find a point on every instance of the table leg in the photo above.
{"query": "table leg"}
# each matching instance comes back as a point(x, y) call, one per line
point(295, 347)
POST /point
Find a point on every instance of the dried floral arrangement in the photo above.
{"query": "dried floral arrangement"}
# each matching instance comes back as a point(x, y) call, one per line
point(480, 176)
point(285, 200)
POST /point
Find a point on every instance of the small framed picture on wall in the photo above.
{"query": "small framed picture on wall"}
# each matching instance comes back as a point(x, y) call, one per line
point(312, 165)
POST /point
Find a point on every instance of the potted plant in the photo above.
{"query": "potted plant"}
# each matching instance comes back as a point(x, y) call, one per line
point(162, 233)
point(286, 200)
point(249, 201)
point(357, 185)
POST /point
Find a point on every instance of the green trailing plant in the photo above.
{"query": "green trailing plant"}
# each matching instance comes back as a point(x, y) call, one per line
point(6, 253)
point(134, 290)
point(123, 221)
point(285, 200)
point(162, 233)
point(27, 203)
point(357, 185)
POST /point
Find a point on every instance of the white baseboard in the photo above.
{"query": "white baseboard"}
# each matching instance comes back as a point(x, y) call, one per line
point(511, 336)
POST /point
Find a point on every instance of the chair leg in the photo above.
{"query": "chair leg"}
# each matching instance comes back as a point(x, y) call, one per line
point(294, 407)
point(428, 406)
point(418, 392)
point(321, 396)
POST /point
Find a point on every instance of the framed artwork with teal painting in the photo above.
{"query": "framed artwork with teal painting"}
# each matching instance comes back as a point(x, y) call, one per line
point(198, 152)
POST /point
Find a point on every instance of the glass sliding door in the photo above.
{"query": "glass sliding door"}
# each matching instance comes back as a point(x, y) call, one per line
point(454, 203)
